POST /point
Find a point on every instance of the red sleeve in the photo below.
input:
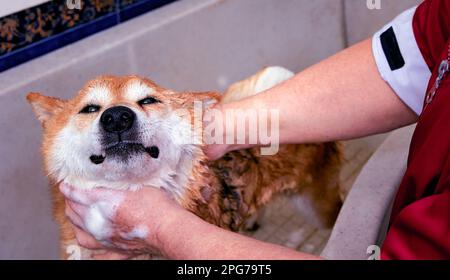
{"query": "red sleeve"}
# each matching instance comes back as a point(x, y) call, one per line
point(431, 25)
point(421, 230)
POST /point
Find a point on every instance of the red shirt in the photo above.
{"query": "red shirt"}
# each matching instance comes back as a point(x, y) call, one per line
point(420, 220)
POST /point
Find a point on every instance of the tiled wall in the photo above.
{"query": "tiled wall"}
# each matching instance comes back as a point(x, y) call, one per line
point(38, 30)
point(187, 45)
point(30, 33)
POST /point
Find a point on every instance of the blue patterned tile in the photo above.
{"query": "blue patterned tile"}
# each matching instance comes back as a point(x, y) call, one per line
point(51, 25)
point(131, 8)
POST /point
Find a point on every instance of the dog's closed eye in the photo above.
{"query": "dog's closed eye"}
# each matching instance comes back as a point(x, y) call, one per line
point(91, 108)
point(148, 100)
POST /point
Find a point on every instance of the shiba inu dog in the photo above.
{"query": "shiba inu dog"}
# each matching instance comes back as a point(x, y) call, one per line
point(128, 132)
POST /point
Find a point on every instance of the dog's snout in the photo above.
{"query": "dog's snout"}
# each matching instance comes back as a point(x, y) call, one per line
point(117, 119)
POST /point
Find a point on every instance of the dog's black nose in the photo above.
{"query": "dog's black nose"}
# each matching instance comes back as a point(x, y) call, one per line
point(117, 119)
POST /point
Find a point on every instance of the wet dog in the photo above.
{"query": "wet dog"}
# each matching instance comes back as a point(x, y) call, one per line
point(128, 132)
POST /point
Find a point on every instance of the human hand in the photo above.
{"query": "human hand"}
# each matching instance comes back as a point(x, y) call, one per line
point(126, 223)
point(218, 145)
point(213, 150)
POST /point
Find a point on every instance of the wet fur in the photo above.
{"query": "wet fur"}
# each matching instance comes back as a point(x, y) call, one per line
point(228, 191)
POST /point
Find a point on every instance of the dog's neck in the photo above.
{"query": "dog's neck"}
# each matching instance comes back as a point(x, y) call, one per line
point(194, 184)
point(177, 179)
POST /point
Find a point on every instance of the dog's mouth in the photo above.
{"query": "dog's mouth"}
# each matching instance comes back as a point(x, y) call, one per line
point(123, 151)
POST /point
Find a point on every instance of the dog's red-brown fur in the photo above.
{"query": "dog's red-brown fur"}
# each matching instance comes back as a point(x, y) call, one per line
point(225, 192)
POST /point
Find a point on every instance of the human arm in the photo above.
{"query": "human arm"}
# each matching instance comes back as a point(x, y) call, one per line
point(175, 234)
point(342, 97)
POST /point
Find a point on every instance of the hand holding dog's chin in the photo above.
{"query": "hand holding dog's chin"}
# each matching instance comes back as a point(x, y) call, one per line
point(126, 223)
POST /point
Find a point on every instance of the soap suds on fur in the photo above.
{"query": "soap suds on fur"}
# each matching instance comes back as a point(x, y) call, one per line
point(138, 232)
point(99, 216)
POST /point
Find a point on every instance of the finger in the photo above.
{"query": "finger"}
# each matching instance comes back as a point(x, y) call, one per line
point(86, 240)
point(79, 209)
point(75, 194)
point(87, 197)
point(73, 216)
point(111, 255)
point(106, 194)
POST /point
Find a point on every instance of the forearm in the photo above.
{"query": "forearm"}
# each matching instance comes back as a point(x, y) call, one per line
point(189, 237)
point(340, 98)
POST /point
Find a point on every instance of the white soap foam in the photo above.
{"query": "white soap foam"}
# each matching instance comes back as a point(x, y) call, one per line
point(99, 216)
point(96, 224)
point(139, 232)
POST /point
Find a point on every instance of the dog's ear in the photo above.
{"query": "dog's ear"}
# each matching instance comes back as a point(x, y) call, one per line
point(44, 107)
